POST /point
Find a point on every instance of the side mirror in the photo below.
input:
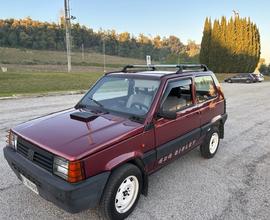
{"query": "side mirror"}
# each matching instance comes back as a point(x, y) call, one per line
point(167, 114)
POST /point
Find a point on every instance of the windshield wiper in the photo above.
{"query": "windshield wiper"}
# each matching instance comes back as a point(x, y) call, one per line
point(80, 105)
point(136, 118)
point(96, 102)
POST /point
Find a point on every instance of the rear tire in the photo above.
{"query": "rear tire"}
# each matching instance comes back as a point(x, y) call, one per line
point(122, 192)
point(211, 142)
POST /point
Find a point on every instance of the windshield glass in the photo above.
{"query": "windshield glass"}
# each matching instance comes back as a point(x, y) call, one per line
point(122, 95)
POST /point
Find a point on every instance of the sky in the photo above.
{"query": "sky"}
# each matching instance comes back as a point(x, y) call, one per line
point(184, 19)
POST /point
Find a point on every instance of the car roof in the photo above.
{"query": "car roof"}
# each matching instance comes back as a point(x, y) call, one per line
point(154, 71)
point(158, 74)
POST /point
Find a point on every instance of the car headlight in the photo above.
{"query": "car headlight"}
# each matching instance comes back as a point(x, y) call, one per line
point(12, 140)
point(71, 171)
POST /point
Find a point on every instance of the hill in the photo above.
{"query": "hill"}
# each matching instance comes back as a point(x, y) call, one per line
point(43, 71)
point(17, 60)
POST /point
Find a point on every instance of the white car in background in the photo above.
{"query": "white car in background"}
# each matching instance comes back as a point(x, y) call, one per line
point(261, 77)
point(258, 76)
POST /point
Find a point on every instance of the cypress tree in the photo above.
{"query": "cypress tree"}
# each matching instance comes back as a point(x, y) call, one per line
point(223, 43)
point(258, 46)
point(250, 45)
point(215, 47)
point(233, 46)
point(205, 44)
point(229, 46)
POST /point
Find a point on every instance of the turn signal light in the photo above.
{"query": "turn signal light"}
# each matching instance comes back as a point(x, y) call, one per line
point(75, 172)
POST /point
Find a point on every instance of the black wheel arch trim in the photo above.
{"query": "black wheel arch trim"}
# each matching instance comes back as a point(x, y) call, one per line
point(218, 121)
point(141, 165)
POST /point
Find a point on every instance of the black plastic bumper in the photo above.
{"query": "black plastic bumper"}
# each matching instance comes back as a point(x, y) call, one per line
point(70, 197)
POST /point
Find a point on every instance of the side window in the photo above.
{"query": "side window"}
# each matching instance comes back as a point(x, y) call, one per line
point(177, 96)
point(205, 88)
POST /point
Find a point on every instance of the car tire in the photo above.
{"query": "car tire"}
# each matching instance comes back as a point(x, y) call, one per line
point(211, 143)
point(229, 81)
point(122, 192)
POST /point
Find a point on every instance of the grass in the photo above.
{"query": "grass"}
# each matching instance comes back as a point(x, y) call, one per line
point(35, 83)
point(37, 71)
point(45, 57)
point(267, 78)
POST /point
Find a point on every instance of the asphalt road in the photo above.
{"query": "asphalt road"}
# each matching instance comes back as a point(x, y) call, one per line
point(235, 184)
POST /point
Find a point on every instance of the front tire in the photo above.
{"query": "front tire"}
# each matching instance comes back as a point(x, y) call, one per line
point(122, 192)
point(210, 145)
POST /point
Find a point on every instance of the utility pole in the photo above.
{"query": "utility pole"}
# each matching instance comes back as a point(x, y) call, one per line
point(104, 55)
point(68, 34)
point(83, 52)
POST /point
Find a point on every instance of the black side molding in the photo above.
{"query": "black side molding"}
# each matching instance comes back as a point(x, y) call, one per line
point(149, 157)
point(173, 145)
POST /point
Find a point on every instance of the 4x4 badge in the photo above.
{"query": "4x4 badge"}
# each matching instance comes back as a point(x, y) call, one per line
point(30, 154)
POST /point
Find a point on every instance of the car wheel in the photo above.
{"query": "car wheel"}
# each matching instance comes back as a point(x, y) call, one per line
point(248, 81)
point(210, 145)
point(122, 192)
point(229, 81)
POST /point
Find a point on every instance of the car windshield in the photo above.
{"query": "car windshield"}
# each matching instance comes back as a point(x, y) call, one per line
point(122, 95)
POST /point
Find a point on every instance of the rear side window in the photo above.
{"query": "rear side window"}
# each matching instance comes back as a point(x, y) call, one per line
point(205, 88)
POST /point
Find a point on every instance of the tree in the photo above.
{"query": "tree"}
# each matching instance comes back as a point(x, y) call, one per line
point(232, 46)
point(28, 33)
point(214, 48)
point(192, 49)
point(263, 69)
point(25, 39)
point(174, 43)
point(206, 41)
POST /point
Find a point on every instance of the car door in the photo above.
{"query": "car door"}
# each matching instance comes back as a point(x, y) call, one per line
point(176, 136)
point(245, 78)
point(208, 99)
point(238, 78)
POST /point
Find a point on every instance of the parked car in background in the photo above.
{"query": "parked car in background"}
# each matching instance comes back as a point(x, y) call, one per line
point(242, 78)
point(259, 77)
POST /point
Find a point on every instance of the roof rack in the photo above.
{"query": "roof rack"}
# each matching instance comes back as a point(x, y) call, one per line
point(181, 67)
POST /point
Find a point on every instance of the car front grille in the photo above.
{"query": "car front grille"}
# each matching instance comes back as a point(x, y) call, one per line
point(37, 155)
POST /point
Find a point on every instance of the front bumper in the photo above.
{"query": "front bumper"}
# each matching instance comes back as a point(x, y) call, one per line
point(70, 197)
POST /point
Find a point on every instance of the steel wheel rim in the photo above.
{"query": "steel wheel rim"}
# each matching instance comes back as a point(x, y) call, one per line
point(213, 143)
point(126, 194)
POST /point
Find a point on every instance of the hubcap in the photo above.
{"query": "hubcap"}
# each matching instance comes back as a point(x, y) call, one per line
point(126, 194)
point(213, 143)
